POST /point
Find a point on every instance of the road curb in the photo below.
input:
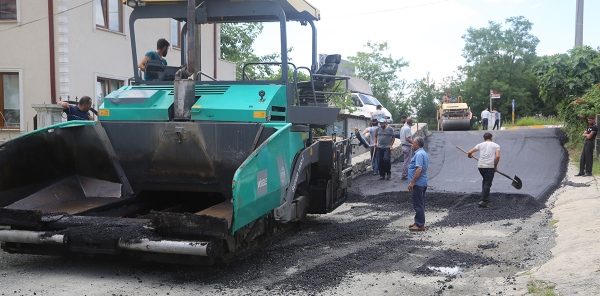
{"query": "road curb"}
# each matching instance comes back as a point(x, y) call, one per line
point(532, 126)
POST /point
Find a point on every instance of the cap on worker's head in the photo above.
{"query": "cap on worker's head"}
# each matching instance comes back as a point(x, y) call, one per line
point(382, 120)
point(379, 106)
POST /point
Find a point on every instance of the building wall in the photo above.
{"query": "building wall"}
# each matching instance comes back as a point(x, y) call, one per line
point(26, 51)
point(83, 52)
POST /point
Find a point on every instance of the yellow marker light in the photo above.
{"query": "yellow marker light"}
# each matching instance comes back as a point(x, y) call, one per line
point(303, 136)
point(260, 114)
point(103, 112)
point(196, 107)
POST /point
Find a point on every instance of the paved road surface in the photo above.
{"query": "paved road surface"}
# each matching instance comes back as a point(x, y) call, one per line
point(537, 157)
point(364, 246)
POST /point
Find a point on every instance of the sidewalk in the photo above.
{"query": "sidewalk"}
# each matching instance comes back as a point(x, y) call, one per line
point(574, 268)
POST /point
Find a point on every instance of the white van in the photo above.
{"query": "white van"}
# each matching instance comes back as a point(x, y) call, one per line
point(365, 105)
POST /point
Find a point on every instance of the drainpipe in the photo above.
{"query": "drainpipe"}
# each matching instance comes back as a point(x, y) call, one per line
point(51, 46)
point(215, 50)
point(191, 37)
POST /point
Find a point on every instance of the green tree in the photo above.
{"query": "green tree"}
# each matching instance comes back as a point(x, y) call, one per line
point(399, 104)
point(564, 76)
point(382, 73)
point(569, 81)
point(501, 60)
point(576, 111)
point(423, 100)
point(236, 46)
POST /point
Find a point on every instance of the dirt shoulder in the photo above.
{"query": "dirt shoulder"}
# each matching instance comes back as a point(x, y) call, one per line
point(574, 268)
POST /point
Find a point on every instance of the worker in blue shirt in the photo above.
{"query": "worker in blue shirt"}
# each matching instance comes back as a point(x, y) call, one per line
point(417, 182)
point(79, 112)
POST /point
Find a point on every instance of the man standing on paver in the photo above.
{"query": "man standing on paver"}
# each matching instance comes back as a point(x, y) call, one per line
point(372, 130)
point(417, 182)
point(406, 140)
point(587, 155)
point(384, 139)
point(485, 114)
point(489, 157)
point(378, 114)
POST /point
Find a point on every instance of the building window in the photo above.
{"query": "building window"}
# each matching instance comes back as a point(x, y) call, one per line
point(109, 14)
point(105, 86)
point(10, 102)
point(176, 27)
point(8, 10)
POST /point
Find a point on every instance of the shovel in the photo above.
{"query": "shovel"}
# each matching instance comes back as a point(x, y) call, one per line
point(516, 182)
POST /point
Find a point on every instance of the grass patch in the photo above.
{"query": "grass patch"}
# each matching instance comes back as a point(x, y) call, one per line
point(530, 120)
point(575, 155)
point(553, 223)
point(540, 288)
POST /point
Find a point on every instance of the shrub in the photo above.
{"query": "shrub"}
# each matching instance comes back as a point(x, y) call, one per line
point(575, 111)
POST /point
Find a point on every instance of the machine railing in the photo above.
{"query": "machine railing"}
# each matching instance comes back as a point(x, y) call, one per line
point(314, 91)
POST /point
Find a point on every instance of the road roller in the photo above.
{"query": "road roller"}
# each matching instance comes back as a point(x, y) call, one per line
point(454, 116)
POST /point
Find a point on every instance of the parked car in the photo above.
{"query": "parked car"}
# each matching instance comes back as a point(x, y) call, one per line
point(366, 104)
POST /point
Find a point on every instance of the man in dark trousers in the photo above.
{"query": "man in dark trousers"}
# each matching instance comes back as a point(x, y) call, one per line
point(587, 155)
point(372, 130)
point(384, 141)
point(496, 119)
point(489, 157)
point(485, 114)
point(79, 112)
point(417, 182)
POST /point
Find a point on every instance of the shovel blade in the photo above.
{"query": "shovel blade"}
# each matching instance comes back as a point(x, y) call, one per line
point(517, 183)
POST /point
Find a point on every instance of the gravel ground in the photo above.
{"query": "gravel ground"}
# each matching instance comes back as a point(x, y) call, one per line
point(362, 247)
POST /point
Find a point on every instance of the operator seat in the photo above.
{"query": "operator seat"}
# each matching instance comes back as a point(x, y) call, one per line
point(155, 68)
point(320, 81)
point(164, 73)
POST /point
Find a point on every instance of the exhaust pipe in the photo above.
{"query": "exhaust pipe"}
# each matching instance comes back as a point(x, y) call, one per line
point(31, 237)
point(144, 245)
point(170, 247)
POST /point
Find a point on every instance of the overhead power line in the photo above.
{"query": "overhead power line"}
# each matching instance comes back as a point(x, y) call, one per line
point(44, 18)
point(328, 18)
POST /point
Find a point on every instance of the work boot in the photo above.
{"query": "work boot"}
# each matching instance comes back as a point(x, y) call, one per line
point(580, 174)
point(414, 227)
point(381, 177)
point(389, 176)
point(483, 204)
point(588, 174)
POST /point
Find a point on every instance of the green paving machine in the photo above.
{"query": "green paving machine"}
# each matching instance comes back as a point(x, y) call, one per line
point(180, 169)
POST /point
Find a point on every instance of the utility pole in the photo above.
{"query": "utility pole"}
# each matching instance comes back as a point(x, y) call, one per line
point(579, 24)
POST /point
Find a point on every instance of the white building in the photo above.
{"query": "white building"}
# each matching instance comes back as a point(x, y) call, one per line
point(73, 48)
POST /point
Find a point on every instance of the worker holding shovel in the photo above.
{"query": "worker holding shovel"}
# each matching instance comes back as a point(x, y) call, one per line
point(489, 156)
point(372, 130)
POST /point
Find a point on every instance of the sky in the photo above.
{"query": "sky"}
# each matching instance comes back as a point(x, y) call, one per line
point(427, 33)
